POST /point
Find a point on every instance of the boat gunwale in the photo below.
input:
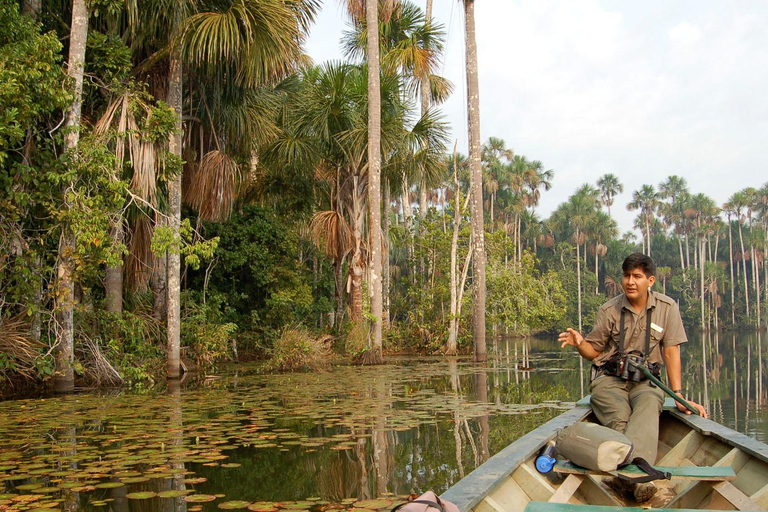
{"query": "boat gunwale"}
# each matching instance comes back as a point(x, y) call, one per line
point(473, 488)
point(468, 492)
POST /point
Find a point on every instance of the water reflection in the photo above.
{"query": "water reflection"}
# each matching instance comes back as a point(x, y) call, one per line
point(409, 426)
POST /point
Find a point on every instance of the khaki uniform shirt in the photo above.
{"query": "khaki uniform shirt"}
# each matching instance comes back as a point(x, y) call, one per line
point(666, 328)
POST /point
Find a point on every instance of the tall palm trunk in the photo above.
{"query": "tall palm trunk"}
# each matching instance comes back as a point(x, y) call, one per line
point(744, 268)
point(682, 257)
point(578, 274)
point(733, 281)
point(385, 255)
point(31, 8)
point(453, 331)
point(424, 107)
point(338, 277)
point(374, 167)
point(173, 348)
point(701, 272)
point(356, 263)
point(113, 281)
point(64, 378)
point(473, 109)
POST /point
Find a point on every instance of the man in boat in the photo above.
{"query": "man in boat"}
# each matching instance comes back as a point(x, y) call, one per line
point(644, 325)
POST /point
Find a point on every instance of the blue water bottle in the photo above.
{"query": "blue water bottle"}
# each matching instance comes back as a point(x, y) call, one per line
point(546, 459)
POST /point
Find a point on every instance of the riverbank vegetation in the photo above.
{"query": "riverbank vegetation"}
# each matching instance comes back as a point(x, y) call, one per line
point(167, 199)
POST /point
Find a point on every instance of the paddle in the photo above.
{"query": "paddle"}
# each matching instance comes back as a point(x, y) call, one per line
point(647, 372)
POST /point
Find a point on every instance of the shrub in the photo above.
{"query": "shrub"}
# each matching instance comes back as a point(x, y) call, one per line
point(297, 349)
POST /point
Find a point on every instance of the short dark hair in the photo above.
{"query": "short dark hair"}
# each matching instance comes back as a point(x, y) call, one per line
point(641, 261)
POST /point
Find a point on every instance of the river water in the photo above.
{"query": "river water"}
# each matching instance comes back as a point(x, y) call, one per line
point(316, 440)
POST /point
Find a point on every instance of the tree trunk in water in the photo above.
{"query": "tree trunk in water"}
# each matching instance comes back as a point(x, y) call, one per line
point(64, 378)
point(113, 282)
point(733, 281)
point(478, 228)
point(385, 255)
point(173, 348)
point(453, 331)
point(744, 267)
point(374, 169)
point(701, 272)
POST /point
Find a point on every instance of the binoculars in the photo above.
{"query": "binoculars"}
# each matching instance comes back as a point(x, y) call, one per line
point(629, 368)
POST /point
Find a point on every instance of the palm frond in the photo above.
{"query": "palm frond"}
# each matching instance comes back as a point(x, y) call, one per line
point(214, 189)
point(331, 233)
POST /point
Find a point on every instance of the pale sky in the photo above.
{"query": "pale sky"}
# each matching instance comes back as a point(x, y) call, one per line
point(642, 90)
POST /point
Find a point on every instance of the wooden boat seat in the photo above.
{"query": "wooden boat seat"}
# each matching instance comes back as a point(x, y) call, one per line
point(702, 473)
point(542, 506)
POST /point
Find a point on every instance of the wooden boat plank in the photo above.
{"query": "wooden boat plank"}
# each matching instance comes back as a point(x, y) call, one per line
point(692, 496)
point(536, 486)
point(725, 434)
point(567, 489)
point(752, 476)
point(736, 459)
point(508, 496)
point(683, 449)
point(735, 497)
point(469, 491)
point(761, 497)
point(591, 491)
point(716, 473)
point(538, 506)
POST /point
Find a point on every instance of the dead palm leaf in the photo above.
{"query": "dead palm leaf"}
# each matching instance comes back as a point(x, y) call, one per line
point(138, 264)
point(214, 188)
point(331, 233)
point(141, 151)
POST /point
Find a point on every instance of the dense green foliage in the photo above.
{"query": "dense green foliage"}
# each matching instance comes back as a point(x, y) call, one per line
point(276, 230)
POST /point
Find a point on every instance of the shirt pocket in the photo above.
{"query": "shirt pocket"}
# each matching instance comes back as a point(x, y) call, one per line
point(657, 338)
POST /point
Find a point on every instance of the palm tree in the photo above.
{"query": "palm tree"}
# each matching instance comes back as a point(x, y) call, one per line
point(729, 210)
point(64, 379)
point(600, 229)
point(270, 38)
point(739, 202)
point(494, 154)
point(478, 230)
point(646, 200)
point(374, 172)
point(675, 191)
point(610, 187)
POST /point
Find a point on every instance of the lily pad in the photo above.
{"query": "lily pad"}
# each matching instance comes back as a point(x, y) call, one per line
point(234, 505)
point(262, 506)
point(109, 485)
point(141, 495)
point(199, 498)
point(373, 504)
point(174, 494)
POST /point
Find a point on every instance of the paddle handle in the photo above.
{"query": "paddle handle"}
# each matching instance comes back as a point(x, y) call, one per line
point(663, 386)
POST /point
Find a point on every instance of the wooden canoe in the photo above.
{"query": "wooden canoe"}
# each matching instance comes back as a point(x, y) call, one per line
point(713, 468)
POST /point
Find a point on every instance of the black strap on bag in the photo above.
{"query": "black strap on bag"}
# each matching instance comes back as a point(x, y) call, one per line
point(433, 504)
point(653, 473)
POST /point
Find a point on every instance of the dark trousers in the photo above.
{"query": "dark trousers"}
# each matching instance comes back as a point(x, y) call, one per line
point(632, 408)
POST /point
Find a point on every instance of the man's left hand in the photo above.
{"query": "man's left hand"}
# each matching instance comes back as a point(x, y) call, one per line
point(700, 408)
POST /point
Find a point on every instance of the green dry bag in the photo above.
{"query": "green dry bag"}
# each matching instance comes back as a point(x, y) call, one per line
point(600, 448)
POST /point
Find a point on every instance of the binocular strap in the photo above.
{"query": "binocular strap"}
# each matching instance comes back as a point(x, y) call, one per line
point(622, 335)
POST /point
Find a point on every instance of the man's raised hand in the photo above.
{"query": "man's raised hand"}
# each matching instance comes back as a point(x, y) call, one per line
point(570, 337)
